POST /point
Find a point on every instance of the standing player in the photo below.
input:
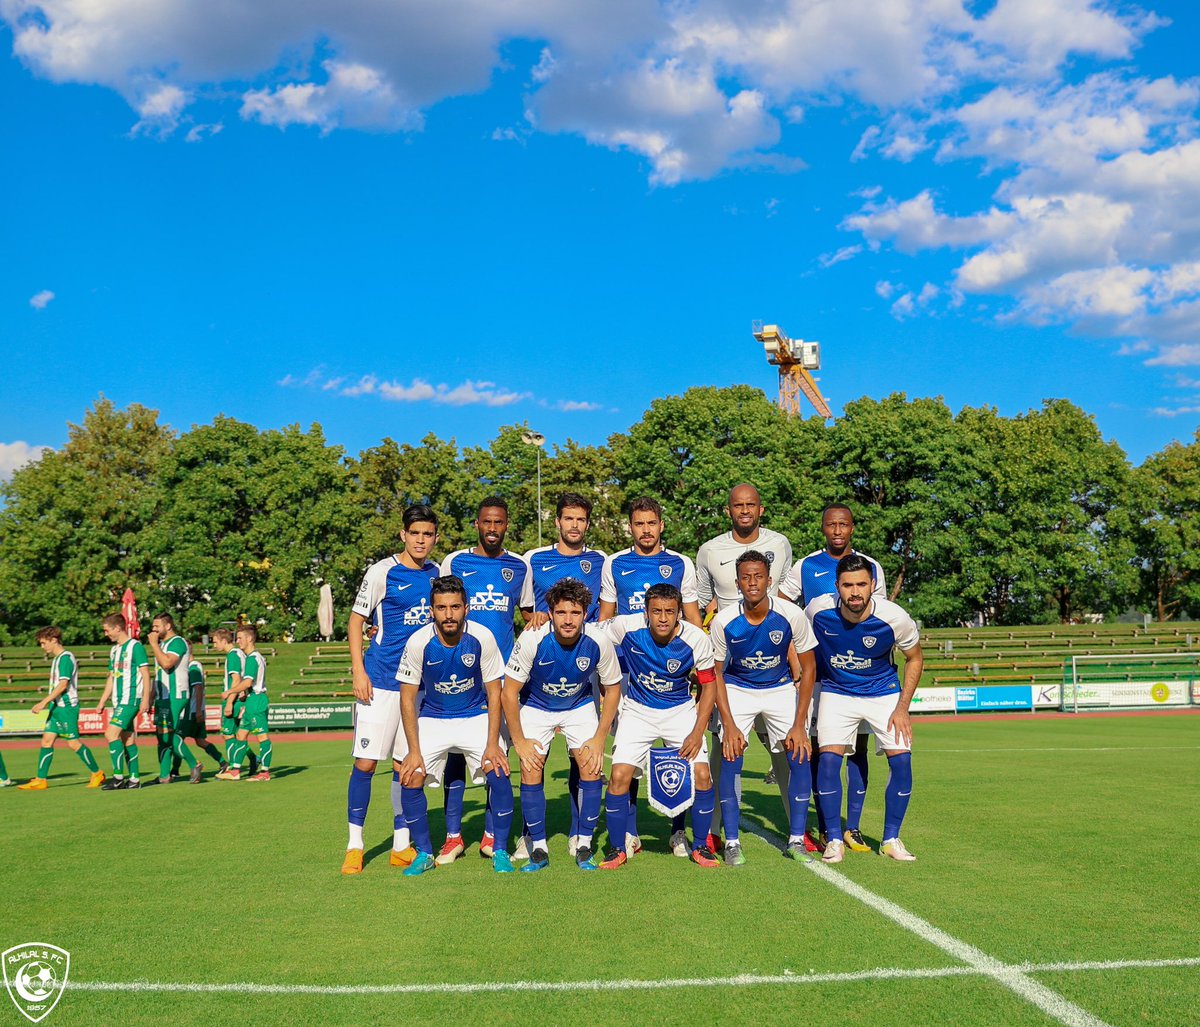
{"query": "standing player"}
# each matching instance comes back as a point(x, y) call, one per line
point(172, 694)
point(660, 652)
point(623, 584)
point(394, 599)
point(233, 707)
point(5, 780)
point(129, 685)
point(63, 722)
point(856, 633)
point(816, 575)
point(495, 581)
point(569, 557)
point(716, 579)
point(556, 668)
point(192, 724)
point(764, 668)
point(457, 666)
point(253, 685)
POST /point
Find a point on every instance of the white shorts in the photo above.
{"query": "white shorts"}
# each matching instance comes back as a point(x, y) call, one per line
point(377, 726)
point(441, 736)
point(776, 707)
point(578, 725)
point(813, 718)
point(641, 726)
point(842, 717)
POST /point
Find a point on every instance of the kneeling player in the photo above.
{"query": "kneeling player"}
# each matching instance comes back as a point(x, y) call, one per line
point(63, 721)
point(763, 652)
point(457, 666)
point(660, 652)
point(557, 664)
point(856, 634)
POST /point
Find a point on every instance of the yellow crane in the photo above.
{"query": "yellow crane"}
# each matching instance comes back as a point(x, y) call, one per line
point(796, 359)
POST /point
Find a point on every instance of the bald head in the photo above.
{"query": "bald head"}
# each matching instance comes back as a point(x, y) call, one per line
point(744, 492)
point(745, 511)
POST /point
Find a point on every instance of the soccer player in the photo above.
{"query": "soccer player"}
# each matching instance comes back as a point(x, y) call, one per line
point(814, 576)
point(63, 722)
point(623, 583)
point(660, 651)
point(569, 557)
point(394, 599)
point(856, 632)
point(495, 581)
point(233, 707)
point(172, 693)
point(5, 780)
point(556, 667)
point(456, 665)
point(764, 668)
point(192, 722)
point(253, 684)
point(128, 683)
point(716, 580)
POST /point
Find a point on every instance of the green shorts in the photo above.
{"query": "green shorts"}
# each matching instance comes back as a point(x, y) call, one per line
point(229, 725)
point(254, 717)
point(64, 722)
point(164, 722)
point(124, 716)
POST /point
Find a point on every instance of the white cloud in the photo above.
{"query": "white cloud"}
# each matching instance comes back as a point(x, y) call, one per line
point(159, 110)
point(571, 406)
point(14, 455)
point(469, 393)
point(354, 96)
point(41, 300)
point(845, 253)
point(1184, 354)
point(197, 133)
point(1182, 411)
point(885, 290)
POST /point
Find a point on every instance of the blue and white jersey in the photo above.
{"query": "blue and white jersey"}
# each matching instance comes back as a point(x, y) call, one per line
point(856, 659)
point(547, 565)
point(558, 677)
point(756, 655)
point(816, 575)
point(627, 575)
point(452, 678)
point(494, 589)
point(395, 598)
point(658, 674)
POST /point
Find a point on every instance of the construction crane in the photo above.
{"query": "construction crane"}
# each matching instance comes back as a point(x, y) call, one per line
point(795, 359)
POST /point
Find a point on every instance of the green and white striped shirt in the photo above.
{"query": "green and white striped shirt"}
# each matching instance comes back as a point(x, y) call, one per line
point(124, 661)
point(256, 671)
point(62, 666)
point(173, 683)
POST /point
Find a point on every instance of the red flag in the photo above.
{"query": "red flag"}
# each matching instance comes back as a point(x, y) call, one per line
point(129, 612)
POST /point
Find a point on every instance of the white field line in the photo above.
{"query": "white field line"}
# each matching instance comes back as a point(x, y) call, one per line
point(1067, 748)
point(1014, 978)
point(633, 984)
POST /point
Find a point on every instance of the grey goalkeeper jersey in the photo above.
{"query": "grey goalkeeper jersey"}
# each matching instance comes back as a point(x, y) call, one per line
point(716, 572)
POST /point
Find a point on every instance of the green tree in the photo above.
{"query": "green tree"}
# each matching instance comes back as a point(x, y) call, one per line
point(71, 524)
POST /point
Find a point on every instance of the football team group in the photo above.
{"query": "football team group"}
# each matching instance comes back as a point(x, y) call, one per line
point(178, 694)
point(644, 645)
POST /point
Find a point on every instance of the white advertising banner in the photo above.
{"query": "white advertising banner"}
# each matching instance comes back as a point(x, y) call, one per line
point(1128, 693)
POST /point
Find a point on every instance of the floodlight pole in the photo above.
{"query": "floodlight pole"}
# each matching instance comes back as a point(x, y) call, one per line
point(537, 440)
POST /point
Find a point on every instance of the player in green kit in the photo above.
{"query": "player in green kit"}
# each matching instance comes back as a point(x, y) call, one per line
point(129, 685)
point(233, 707)
point(5, 780)
point(63, 722)
point(253, 683)
point(172, 694)
point(192, 726)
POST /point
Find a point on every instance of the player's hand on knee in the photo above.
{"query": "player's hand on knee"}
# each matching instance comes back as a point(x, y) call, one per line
point(733, 744)
point(797, 743)
point(590, 757)
point(412, 767)
point(692, 745)
point(495, 760)
point(362, 687)
point(901, 724)
point(531, 759)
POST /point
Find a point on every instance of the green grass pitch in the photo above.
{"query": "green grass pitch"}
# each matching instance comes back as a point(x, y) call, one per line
point(1048, 842)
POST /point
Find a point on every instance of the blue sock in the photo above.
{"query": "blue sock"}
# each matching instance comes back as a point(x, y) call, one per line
point(899, 788)
point(631, 821)
point(799, 791)
point(533, 809)
point(730, 813)
point(416, 815)
point(501, 791)
point(454, 790)
point(702, 814)
point(857, 770)
point(573, 783)
point(589, 807)
point(397, 802)
point(358, 796)
point(616, 819)
point(815, 764)
point(829, 792)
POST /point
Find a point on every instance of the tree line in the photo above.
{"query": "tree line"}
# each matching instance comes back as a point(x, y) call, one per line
point(1005, 520)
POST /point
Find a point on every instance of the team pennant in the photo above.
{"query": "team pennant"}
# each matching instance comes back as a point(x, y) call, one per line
point(672, 783)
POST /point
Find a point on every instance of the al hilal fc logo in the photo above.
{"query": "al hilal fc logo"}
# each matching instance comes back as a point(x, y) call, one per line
point(35, 974)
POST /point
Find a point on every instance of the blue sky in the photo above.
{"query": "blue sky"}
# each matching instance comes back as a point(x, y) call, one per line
point(396, 219)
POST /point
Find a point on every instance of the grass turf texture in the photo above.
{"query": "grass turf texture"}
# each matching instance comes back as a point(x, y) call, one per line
point(1021, 828)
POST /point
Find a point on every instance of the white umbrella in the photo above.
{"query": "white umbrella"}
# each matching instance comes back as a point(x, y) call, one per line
point(325, 612)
